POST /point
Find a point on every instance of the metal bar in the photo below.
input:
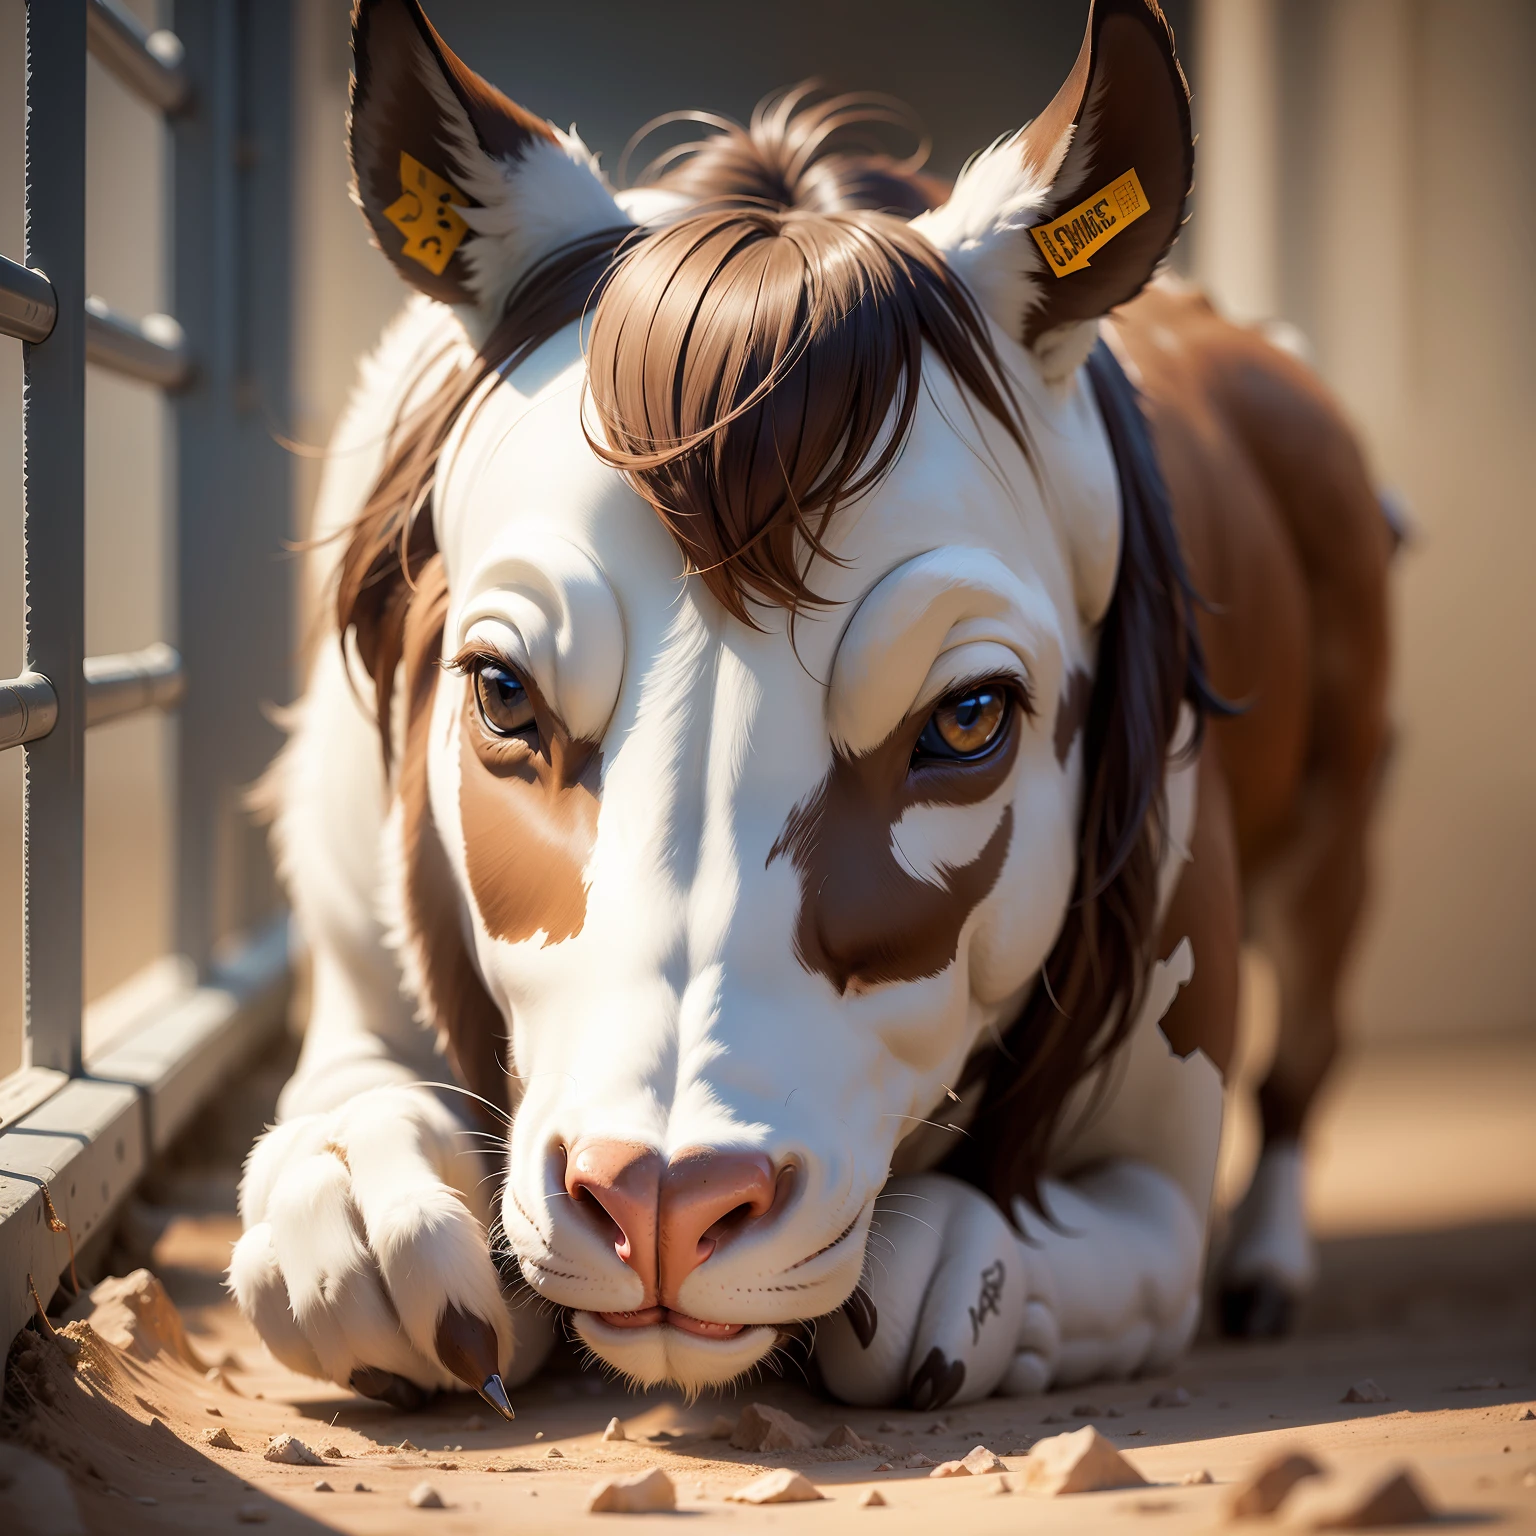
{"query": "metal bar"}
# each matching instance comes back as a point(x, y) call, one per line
point(153, 350)
point(129, 682)
point(148, 63)
point(29, 709)
point(54, 558)
point(27, 308)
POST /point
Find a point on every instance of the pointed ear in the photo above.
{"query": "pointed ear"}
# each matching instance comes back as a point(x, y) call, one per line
point(1056, 224)
point(463, 189)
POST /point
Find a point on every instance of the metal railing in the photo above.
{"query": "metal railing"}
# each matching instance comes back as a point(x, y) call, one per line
point(75, 1135)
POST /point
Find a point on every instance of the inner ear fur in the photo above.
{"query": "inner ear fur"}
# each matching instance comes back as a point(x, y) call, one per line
point(449, 990)
point(1125, 106)
point(412, 95)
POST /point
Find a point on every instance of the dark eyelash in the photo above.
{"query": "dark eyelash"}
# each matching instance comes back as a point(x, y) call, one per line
point(471, 658)
point(1017, 686)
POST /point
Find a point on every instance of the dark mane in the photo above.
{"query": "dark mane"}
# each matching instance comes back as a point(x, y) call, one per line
point(745, 360)
point(1150, 662)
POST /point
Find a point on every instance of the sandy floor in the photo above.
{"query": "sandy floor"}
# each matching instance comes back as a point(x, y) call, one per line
point(1436, 1302)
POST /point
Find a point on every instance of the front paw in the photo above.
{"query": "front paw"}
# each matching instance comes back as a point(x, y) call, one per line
point(938, 1315)
point(364, 1260)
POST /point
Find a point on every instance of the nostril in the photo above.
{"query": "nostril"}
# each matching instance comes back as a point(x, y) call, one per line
point(615, 1184)
point(706, 1199)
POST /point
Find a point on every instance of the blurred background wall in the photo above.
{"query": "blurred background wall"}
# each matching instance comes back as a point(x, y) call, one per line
point(1364, 174)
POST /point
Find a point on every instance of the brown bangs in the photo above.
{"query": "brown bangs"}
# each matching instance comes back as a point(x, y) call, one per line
point(755, 369)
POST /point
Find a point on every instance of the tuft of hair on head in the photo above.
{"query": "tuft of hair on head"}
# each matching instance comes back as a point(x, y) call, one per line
point(802, 148)
point(755, 369)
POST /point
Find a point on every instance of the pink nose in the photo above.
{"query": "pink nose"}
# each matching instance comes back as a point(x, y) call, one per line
point(665, 1222)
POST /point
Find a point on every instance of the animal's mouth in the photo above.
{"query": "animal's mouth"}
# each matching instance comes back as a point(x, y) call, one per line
point(669, 1317)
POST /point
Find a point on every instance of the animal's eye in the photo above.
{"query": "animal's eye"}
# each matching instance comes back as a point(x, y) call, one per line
point(967, 726)
point(504, 704)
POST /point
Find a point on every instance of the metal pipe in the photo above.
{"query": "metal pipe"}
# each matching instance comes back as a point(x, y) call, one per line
point(153, 350)
point(29, 709)
point(131, 681)
point(28, 308)
point(148, 63)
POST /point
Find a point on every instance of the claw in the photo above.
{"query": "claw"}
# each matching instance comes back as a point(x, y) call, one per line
point(467, 1346)
point(496, 1395)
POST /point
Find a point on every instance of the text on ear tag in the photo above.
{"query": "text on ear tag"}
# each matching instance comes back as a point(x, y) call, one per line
point(425, 214)
point(1067, 242)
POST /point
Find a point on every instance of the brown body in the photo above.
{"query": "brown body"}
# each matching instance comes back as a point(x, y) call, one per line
point(1288, 548)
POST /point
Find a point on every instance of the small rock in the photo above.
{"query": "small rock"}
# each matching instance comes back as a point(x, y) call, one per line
point(1196, 1479)
point(950, 1469)
point(221, 1439)
point(938, 1427)
point(445, 1466)
point(217, 1413)
point(538, 1434)
point(640, 1493)
point(872, 1499)
point(1357, 1502)
point(321, 1486)
point(250, 1514)
point(1483, 1384)
point(1170, 1397)
point(405, 1445)
point(1267, 1488)
point(291, 1451)
point(781, 1486)
point(425, 1496)
point(979, 1461)
point(614, 1431)
point(554, 1453)
point(1087, 1411)
point(1131, 1434)
point(1054, 1418)
point(1018, 1450)
point(722, 1427)
point(761, 1428)
point(1530, 1413)
point(845, 1436)
point(330, 1452)
point(1364, 1392)
point(361, 1488)
point(1080, 1462)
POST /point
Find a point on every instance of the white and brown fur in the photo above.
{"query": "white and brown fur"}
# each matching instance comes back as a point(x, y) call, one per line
point(711, 912)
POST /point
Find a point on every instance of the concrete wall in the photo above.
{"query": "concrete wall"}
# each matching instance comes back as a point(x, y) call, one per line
point(1366, 174)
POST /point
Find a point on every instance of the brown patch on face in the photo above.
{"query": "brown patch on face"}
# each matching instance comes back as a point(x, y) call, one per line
point(529, 810)
point(452, 995)
point(1072, 712)
point(864, 917)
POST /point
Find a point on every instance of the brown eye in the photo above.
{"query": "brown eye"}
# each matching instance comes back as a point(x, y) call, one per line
point(503, 702)
point(967, 727)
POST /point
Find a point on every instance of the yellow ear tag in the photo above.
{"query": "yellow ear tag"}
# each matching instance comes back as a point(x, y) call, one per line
point(425, 214)
point(1069, 241)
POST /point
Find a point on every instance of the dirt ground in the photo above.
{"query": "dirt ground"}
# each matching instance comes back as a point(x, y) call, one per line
point(1431, 1296)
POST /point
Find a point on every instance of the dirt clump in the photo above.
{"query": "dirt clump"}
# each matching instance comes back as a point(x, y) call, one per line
point(761, 1428)
point(640, 1493)
point(781, 1486)
point(1080, 1462)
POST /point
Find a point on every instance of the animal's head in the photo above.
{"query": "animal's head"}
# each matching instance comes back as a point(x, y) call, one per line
point(784, 685)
